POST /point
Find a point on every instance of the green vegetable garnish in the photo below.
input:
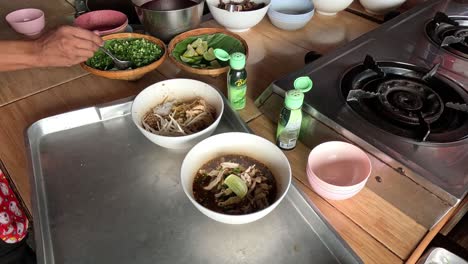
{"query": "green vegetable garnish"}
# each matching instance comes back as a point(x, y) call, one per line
point(137, 50)
point(237, 185)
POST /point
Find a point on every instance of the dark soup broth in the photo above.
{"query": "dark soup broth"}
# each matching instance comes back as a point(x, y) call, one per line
point(168, 5)
point(213, 187)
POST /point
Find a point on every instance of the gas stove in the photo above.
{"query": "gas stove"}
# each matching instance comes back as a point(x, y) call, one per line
point(407, 101)
point(401, 93)
point(450, 33)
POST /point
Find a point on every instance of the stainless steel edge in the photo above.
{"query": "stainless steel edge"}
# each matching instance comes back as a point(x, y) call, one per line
point(33, 133)
point(42, 239)
point(334, 241)
point(317, 224)
point(440, 255)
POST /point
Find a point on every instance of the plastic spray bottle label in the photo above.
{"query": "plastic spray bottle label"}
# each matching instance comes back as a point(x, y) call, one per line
point(237, 93)
point(289, 126)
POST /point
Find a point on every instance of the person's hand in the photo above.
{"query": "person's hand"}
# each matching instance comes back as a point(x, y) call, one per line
point(66, 46)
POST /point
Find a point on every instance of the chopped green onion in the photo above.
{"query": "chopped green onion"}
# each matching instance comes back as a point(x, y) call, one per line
point(140, 51)
point(237, 185)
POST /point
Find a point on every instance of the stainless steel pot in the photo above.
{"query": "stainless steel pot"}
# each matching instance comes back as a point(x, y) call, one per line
point(167, 24)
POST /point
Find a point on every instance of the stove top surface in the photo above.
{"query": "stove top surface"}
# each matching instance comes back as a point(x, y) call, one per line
point(407, 99)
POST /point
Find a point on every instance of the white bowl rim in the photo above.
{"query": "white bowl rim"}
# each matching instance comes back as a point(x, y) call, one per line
point(248, 11)
point(277, 201)
point(219, 115)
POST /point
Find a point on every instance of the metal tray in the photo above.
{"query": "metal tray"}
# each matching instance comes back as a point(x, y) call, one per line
point(103, 193)
point(440, 255)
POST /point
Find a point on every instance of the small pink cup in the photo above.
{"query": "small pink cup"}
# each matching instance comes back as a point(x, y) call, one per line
point(338, 170)
point(28, 21)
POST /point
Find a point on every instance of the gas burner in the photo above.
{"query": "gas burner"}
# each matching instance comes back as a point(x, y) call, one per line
point(404, 99)
point(407, 100)
point(451, 33)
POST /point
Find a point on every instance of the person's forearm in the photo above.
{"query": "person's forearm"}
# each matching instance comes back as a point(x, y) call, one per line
point(15, 55)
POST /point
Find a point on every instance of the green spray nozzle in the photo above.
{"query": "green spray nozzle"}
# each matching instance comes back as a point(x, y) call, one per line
point(222, 54)
point(295, 98)
point(303, 84)
point(236, 60)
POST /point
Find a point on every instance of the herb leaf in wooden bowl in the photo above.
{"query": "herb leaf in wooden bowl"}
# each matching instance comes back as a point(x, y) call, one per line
point(137, 50)
point(146, 52)
point(204, 60)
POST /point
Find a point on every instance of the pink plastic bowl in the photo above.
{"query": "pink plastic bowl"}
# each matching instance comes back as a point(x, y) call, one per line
point(330, 194)
point(105, 22)
point(338, 170)
point(29, 21)
point(333, 188)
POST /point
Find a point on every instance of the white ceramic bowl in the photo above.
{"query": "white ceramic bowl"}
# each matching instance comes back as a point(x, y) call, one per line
point(236, 143)
point(181, 89)
point(338, 170)
point(237, 21)
point(290, 15)
point(380, 7)
point(331, 7)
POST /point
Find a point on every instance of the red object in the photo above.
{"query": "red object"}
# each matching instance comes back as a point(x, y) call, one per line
point(103, 21)
point(13, 222)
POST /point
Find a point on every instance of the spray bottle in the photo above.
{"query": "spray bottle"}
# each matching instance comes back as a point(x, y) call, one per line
point(289, 124)
point(237, 77)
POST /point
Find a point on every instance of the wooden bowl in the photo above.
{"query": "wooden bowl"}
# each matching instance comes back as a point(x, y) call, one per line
point(198, 32)
point(129, 75)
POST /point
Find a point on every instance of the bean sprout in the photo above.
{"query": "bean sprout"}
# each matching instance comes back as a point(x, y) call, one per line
point(175, 118)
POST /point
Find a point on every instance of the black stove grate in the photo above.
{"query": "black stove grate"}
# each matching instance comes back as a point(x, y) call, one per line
point(450, 33)
point(407, 101)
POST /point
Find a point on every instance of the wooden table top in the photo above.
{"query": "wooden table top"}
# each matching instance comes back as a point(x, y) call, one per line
point(372, 222)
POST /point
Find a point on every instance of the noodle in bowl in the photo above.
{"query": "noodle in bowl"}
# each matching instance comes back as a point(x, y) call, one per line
point(202, 103)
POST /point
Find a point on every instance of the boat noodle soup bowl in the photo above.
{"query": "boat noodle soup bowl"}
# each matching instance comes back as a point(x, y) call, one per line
point(245, 144)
